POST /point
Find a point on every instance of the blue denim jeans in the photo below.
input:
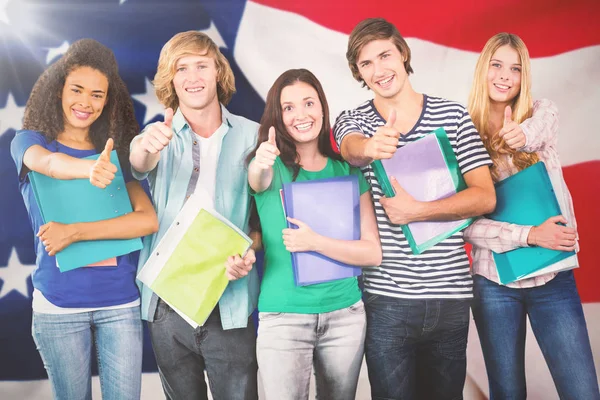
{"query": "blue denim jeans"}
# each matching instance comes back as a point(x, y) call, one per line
point(416, 349)
point(290, 344)
point(183, 354)
point(65, 345)
point(558, 323)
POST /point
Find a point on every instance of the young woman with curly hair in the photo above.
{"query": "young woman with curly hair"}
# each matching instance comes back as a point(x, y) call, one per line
point(80, 107)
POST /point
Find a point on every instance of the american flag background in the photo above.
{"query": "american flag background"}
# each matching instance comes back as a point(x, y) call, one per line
point(261, 39)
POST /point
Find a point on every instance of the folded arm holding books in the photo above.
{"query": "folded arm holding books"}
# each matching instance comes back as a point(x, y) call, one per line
point(141, 222)
point(365, 252)
point(57, 236)
point(501, 237)
point(479, 198)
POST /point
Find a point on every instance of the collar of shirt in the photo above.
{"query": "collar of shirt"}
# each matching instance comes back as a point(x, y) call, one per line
point(182, 127)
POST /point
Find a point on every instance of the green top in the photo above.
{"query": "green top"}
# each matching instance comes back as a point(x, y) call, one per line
point(278, 291)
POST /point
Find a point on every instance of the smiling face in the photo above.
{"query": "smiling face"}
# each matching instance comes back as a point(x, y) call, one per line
point(381, 66)
point(301, 112)
point(504, 75)
point(83, 98)
point(195, 82)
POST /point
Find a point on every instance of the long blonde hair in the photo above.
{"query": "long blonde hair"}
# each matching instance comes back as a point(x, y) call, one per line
point(522, 104)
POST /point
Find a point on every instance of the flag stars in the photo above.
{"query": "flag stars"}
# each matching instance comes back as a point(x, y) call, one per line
point(149, 100)
point(14, 276)
point(11, 116)
point(215, 35)
point(54, 52)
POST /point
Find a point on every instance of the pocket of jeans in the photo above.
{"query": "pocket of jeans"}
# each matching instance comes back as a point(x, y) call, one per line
point(268, 316)
point(357, 308)
point(370, 297)
point(162, 310)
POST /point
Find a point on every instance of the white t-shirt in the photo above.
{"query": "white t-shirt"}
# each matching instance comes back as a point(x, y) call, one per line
point(210, 149)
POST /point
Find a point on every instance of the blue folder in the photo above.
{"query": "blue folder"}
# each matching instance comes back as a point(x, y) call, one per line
point(331, 207)
point(77, 200)
point(526, 198)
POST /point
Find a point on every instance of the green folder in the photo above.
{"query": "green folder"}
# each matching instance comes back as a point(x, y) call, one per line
point(187, 268)
point(428, 170)
point(77, 200)
point(526, 198)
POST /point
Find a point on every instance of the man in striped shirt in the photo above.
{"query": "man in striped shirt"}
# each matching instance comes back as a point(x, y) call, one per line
point(417, 305)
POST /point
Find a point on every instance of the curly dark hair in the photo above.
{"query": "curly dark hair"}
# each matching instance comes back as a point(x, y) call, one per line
point(44, 113)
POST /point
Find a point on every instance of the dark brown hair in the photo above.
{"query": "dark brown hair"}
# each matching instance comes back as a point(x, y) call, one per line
point(44, 113)
point(369, 30)
point(272, 117)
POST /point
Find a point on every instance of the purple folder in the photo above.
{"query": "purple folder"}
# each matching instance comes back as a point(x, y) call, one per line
point(331, 207)
point(427, 169)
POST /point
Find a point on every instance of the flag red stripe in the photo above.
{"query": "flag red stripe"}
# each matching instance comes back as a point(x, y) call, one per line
point(583, 182)
point(548, 27)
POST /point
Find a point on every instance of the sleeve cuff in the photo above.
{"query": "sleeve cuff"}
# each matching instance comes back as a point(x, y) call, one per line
point(140, 176)
point(520, 235)
point(525, 129)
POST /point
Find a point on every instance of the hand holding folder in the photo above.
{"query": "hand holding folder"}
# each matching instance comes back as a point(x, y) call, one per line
point(527, 198)
point(330, 207)
point(187, 267)
point(427, 169)
point(76, 200)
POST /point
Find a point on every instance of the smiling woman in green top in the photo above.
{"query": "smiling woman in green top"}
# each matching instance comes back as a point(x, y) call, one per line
point(323, 324)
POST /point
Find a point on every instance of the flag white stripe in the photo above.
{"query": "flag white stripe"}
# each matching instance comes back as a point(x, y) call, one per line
point(570, 79)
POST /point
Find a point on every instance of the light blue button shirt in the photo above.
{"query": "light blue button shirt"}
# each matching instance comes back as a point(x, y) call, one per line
point(168, 186)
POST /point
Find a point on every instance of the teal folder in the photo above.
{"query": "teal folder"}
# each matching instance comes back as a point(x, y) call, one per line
point(526, 198)
point(77, 200)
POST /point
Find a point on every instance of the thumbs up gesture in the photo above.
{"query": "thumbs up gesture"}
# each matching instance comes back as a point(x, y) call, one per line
point(158, 135)
point(103, 171)
point(267, 152)
point(384, 142)
point(511, 132)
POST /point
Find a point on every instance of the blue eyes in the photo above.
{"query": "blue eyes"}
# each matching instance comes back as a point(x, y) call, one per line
point(514, 69)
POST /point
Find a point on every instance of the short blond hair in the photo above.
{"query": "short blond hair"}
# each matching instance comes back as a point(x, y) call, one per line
point(190, 43)
point(369, 30)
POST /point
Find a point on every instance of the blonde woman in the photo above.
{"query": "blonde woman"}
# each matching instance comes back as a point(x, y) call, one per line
point(517, 133)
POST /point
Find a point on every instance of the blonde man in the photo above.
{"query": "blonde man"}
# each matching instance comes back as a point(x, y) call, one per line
point(199, 149)
point(417, 305)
